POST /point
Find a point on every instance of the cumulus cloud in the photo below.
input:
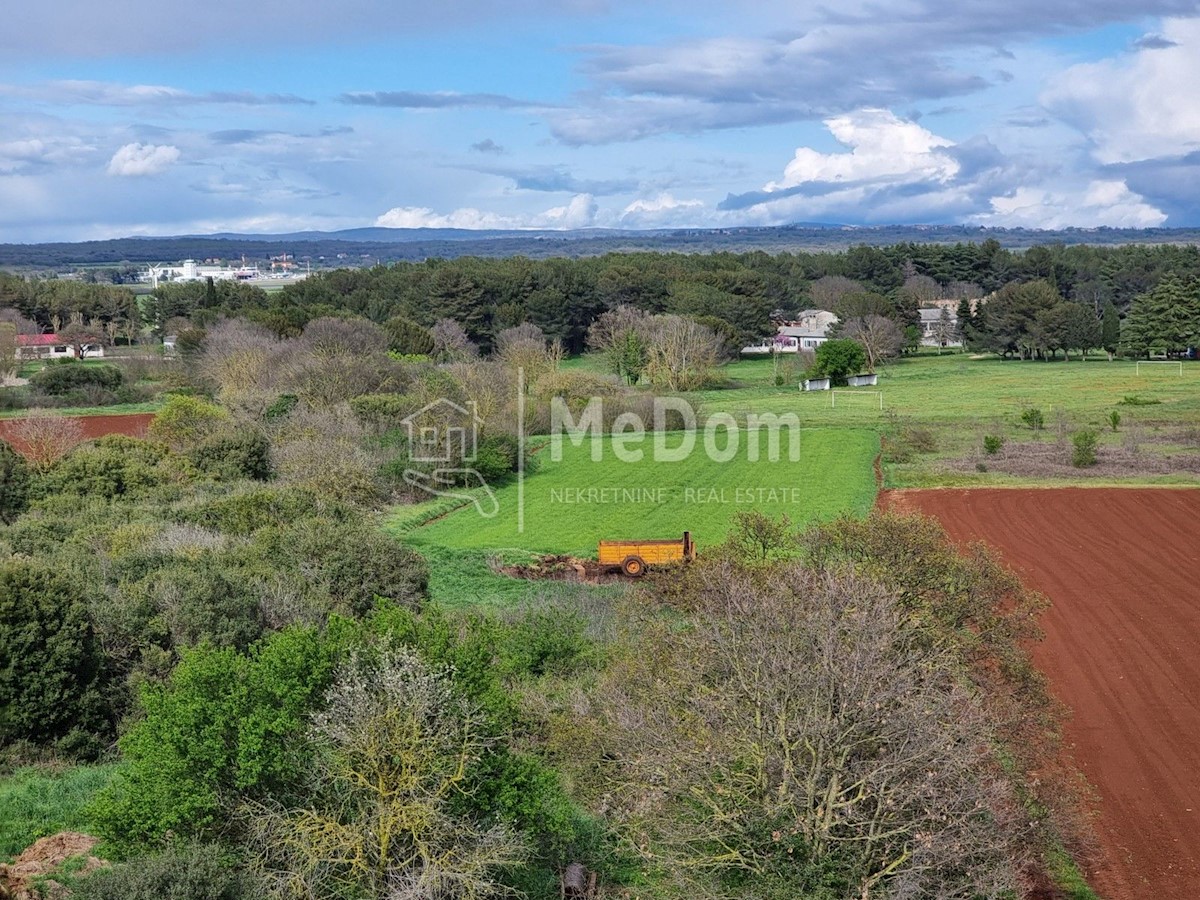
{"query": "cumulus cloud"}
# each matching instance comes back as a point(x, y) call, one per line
point(662, 211)
point(1100, 203)
point(580, 212)
point(142, 159)
point(1138, 106)
point(883, 147)
point(894, 170)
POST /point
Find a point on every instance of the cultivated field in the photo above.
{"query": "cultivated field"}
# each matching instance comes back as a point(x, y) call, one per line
point(1120, 567)
point(573, 503)
point(94, 426)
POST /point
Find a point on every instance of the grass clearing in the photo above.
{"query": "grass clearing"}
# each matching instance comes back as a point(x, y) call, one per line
point(37, 801)
point(955, 388)
point(572, 503)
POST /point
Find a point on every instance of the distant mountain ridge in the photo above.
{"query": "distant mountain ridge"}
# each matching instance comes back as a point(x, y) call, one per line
point(374, 245)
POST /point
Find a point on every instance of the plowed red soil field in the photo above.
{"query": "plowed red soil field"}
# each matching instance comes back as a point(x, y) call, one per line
point(132, 425)
point(1122, 649)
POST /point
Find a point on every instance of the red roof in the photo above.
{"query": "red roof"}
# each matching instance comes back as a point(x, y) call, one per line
point(39, 340)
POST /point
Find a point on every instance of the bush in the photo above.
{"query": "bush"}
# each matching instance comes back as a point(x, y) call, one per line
point(186, 421)
point(200, 600)
point(1114, 419)
point(50, 660)
point(245, 512)
point(280, 407)
point(1084, 453)
point(352, 564)
point(225, 726)
point(1135, 400)
point(188, 872)
point(838, 358)
point(1033, 418)
point(114, 466)
point(992, 444)
point(244, 454)
point(69, 375)
point(14, 483)
point(383, 409)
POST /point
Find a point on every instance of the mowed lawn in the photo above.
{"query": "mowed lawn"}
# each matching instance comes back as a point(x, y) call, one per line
point(572, 503)
point(955, 388)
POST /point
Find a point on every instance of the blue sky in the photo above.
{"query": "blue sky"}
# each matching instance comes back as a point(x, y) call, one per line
point(166, 117)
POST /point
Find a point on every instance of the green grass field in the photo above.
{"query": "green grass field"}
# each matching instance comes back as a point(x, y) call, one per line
point(571, 504)
point(955, 388)
point(36, 802)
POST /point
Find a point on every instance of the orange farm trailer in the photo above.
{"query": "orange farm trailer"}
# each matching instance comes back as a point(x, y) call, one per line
point(632, 557)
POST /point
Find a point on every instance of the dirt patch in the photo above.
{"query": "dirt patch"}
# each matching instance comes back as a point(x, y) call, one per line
point(131, 425)
point(561, 568)
point(1121, 567)
point(43, 858)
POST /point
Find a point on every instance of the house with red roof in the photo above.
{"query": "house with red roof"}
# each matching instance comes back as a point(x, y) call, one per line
point(51, 346)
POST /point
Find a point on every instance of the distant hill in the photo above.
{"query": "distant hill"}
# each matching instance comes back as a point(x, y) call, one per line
point(372, 246)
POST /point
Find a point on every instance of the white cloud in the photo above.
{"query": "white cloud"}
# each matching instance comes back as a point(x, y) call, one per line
point(661, 211)
point(142, 159)
point(1139, 106)
point(1100, 203)
point(883, 148)
point(580, 212)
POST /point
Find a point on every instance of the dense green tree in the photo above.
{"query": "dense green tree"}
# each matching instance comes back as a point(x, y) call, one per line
point(50, 661)
point(1165, 318)
point(838, 358)
point(14, 483)
point(1110, 334)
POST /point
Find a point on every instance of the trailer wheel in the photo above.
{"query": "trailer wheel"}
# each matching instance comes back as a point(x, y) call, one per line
point(633, 566)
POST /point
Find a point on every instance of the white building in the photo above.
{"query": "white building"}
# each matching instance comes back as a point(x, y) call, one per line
point(808, 331)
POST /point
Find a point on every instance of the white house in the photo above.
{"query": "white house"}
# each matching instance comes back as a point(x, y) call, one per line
point(939, 332)
point(808, 331)
point(51, 346)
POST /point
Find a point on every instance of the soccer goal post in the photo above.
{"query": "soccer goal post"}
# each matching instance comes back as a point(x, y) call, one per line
point(1158, 362)
point(833, 395)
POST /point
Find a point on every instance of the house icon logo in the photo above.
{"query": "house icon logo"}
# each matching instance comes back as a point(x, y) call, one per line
point(443, 432)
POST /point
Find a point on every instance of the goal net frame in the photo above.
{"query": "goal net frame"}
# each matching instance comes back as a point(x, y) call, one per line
point(833, 396)
point(1157, 362)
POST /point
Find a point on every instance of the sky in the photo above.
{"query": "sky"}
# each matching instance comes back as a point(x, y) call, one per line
point(157, 117)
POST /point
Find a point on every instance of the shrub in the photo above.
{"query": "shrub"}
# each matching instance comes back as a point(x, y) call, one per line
point(50, 660)
point(352, 564)
point(114, 466)
point(1033, 418)
point(838, 358)
point(1114, 419)
point(186, 421)
point(199, 599)
point(280, 407)
point(383, 409)
point(188, 872)
point(992, 444)
point(225, 725)
point(14, 483)
point(66, 376)
point(1135, 400)
point(244, 454)
point(1084, 453)
point(245, 512)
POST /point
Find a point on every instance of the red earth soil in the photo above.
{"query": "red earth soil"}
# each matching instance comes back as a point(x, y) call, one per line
point(1122, 649)
point(133, 425)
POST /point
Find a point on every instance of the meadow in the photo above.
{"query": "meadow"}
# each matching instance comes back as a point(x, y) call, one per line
point(571, 503)
point(956, 388)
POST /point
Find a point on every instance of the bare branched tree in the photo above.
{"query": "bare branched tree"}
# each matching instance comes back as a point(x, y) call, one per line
point(880, 337)
point(451, 343)
point(801, 724)
point(681, 353)
point(44, 438)
point(393, 750)
point(525, 347)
